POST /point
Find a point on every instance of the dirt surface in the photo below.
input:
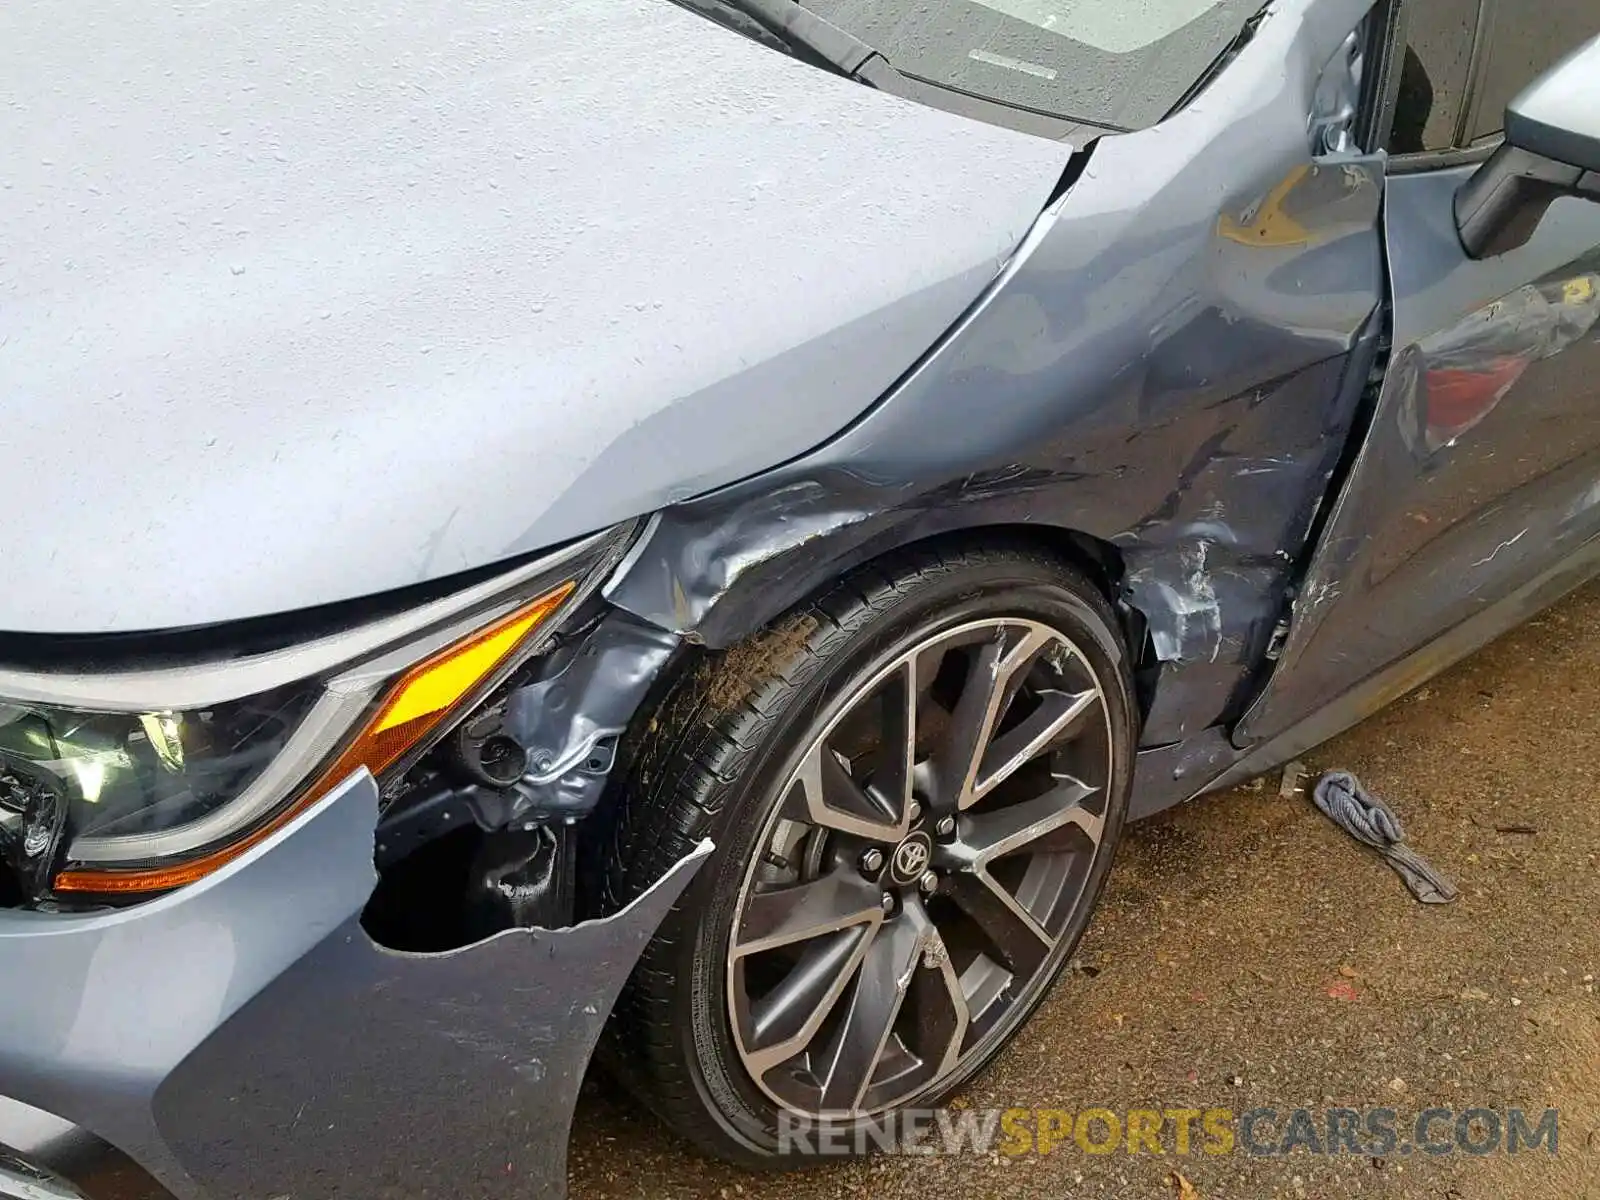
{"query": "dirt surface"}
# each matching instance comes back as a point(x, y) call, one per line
point(1248, 954)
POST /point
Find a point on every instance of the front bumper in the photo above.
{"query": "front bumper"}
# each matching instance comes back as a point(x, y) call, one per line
point(243, 1037)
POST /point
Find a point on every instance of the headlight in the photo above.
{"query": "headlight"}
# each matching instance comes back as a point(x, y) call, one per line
point(138, 786)
point(144, 782)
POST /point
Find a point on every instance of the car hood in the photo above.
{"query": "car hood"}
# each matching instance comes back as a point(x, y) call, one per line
point(303, 301)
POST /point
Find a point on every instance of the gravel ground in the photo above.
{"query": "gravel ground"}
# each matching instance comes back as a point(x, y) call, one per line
point(1248, 954)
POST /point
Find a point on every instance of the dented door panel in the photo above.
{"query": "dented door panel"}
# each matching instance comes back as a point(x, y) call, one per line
point(1478, 471)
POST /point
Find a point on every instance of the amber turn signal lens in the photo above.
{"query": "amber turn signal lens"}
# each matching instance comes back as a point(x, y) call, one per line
point(412, 709)
point(435, 688)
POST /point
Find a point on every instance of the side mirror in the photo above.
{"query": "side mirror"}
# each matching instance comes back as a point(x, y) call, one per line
point(1551, 149)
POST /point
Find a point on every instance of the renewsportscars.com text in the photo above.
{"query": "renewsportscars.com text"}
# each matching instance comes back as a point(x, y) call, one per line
point(1367, 1132)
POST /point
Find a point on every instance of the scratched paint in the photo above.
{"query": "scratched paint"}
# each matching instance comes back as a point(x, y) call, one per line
point(1191, 627)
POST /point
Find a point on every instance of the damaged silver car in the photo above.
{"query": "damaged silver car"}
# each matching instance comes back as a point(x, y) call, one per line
point(689, 527)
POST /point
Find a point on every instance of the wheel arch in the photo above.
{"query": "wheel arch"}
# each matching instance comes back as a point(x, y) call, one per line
point(736, 592)
point(744, 592)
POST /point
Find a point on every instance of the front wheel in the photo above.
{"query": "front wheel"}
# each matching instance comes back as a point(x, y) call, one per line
point(915, 785)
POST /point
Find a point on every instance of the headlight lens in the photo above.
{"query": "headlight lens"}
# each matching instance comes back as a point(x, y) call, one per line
point(143, 801)
point(122, 774)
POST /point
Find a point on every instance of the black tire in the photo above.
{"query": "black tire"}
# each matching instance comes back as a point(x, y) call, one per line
point(707, 764)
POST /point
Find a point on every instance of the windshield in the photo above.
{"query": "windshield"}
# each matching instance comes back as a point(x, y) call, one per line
point(1118, 63)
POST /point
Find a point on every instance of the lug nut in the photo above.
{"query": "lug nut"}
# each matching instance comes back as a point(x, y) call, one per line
point(946, 826)
point(915, 813)
point(929, 883)
point(872, 860)
point(887, 903)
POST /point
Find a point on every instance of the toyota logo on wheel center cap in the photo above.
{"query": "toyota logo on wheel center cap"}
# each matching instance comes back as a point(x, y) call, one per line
point(910, 858)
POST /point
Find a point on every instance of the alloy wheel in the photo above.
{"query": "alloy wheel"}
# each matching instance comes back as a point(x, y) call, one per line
point(923, 859)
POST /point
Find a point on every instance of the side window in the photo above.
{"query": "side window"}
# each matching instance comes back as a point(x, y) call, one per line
point(1525, 39)
point(1433, 75)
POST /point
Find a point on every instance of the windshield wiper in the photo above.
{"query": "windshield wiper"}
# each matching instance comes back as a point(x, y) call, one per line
point(788, 25)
